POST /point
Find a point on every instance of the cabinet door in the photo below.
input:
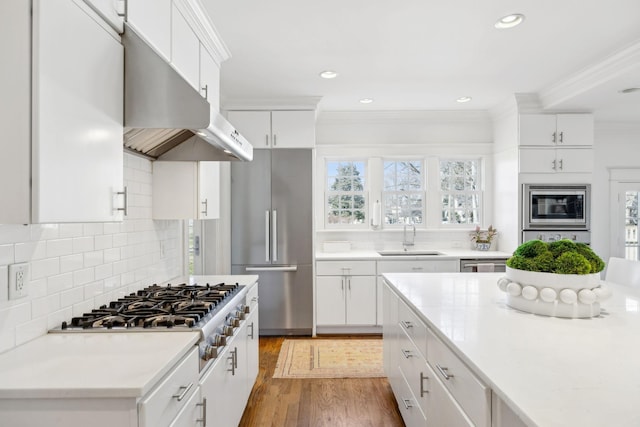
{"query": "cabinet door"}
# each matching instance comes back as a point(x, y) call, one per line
point(537, 160)
point(574, 160)
point(191, 414)
point(175, 190)
point(220, 386)
point(537, 129)
point(361, 300)
point(253, 327)
point(574, 129)
point(442, 409)
point(209, 79)
point(111, 10)
point(330, 300)
point(292, 129)
point(185, 49)
point(209, 189)
point(152, 20)
point(77, 156)
point(255, 126)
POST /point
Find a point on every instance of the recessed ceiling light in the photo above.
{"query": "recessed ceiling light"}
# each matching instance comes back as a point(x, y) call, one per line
point(630, 90)
point(328, 74)
point(509, 21)
point(366, 101)
point(464, 99)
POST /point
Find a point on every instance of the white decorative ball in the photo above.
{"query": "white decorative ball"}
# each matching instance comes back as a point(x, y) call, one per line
point(530, 293)
point(568, 296)
point(587, 296)
point(548, 295)
point(502, 284)
point(602, 293)
point(514, 289)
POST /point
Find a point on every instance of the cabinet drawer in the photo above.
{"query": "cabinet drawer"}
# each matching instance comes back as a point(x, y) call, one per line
point(413, 327)
point(162, 404)
point(414, 369)
point(409, 407)
point(472, 395)
point(346, 268)
point(427, 266)
point(252, 298)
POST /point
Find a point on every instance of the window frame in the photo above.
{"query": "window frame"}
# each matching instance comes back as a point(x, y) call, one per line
point(423, 193)
point(479, 191)
point(330, 193)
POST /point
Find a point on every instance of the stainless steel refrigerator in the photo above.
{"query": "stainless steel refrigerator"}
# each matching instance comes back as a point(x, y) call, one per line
point(272, 235)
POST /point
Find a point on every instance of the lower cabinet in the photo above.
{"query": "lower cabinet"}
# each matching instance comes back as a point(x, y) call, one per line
point(346, 294)
point(431, 384)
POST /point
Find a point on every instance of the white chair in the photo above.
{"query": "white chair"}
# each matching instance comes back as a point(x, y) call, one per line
point(623, 271)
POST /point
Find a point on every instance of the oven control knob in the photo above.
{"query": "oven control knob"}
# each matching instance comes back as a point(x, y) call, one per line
point(210, 352)
point(240, 314)
point(227, 330)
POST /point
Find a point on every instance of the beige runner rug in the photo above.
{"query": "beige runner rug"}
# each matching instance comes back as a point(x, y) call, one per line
point(330, 358)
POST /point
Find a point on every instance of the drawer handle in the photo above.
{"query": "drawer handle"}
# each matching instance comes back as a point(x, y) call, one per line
point(203, 420)
point(233, 361)
point(185, 390)
point(407, 403)
point(443, 371)
point(406, 353)
point(406, 324)
point(422, 390)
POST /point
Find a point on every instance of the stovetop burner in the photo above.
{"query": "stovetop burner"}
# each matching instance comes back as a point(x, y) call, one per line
point(182, 306)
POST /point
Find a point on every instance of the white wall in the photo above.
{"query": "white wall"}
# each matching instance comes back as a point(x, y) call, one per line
point(617, 145)
point(380, 134)
point(77, 267)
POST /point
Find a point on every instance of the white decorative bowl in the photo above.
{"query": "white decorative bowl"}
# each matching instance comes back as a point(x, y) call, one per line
point(550, 294)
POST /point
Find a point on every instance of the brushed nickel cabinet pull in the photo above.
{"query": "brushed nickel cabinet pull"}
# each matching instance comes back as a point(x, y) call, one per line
point(203, 420)
point(443, 371)
point(422, 390)
point(181, 395)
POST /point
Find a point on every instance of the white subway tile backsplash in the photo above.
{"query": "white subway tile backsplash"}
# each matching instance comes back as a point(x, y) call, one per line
point(77, 267)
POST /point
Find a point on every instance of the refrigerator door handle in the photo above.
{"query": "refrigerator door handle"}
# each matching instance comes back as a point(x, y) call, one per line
point(275, 236)
point(266, 236)
point(284, 268)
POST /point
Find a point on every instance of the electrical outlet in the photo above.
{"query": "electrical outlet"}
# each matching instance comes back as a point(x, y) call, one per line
point(18, 280)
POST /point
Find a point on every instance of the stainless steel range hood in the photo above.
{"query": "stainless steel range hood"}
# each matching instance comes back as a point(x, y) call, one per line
point(165, 118)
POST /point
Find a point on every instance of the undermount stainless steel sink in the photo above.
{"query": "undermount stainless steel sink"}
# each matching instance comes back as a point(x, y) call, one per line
point(409, 253)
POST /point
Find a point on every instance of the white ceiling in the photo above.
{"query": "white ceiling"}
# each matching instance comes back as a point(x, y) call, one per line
point(424, 54)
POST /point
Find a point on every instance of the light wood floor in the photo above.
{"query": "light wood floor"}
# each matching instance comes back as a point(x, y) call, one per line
point(351, 402)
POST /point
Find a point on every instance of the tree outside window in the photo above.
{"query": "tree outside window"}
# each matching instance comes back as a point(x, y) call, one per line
point(403, 192)
point(460, 191)
point(346, 202)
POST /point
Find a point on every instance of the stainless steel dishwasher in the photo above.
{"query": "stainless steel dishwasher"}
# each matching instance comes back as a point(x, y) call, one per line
point(475, 265)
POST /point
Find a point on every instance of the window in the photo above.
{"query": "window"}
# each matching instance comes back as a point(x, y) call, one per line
point(346, 201)
point(403, 192)
point(460, 191)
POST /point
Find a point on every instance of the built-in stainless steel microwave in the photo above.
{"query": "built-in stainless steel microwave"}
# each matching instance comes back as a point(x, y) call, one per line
point(556, 207)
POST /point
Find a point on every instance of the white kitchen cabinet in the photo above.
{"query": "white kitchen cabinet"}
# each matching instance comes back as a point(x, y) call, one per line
point(390, 335)
point(62, 155)
point(192, 413)
point(346, 293)
point(185, 49)
point(111, 11)
point(209, 79)
point(186, 190)
point(276, 129)
point(152, 20)
point(555, 130)
point(550, 160)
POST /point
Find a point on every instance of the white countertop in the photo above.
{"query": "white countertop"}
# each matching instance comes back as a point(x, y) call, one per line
point(99, 364)
point(90, 365)
point(551, 371)
point(374, 255)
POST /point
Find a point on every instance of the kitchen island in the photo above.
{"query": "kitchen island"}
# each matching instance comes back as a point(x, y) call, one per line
point(543, 371)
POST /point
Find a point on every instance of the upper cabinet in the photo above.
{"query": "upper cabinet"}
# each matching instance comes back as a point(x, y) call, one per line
point(276, 129)
point(186, 190)
point(152, 20)
point(111, 11)
point(185, 49)
point(209, 79)
point(556, 130)
point(63, 127)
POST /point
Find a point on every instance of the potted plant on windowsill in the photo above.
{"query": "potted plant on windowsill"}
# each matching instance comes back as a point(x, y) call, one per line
point(558, 279)
point(482, 238)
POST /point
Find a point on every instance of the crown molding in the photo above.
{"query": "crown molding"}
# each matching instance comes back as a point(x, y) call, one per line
point(199, 21)
point(620, 62)
point(274, 104)
point(404, 116)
